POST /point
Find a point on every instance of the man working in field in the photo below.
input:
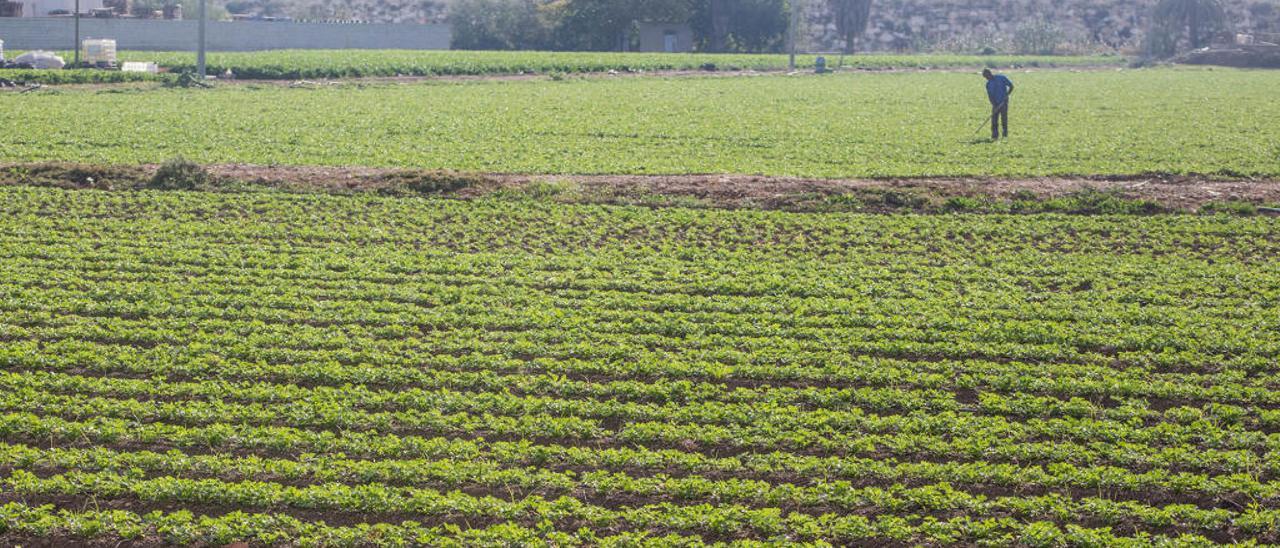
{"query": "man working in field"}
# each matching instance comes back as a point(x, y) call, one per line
point(999, 88)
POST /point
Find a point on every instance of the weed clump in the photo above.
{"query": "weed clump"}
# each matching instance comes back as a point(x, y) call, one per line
point(179, 174)
point(959, 204)
point(1232, 207)
point(428, 182)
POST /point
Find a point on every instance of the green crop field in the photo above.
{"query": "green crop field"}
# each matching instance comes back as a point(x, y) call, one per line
point(373, 313)
point(1215, 122)
point(202, 368)
point(318, 64)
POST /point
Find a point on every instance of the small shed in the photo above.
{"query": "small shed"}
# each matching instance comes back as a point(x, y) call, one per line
point(665, 37)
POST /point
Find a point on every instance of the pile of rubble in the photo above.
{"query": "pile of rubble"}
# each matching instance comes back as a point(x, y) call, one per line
point(1248, 51)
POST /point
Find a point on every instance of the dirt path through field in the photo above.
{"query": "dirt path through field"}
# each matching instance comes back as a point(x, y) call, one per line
point(1173, 192)
point(1182, 193)
point(1170, 192)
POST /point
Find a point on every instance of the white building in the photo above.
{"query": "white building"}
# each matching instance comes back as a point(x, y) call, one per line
point(41, 8)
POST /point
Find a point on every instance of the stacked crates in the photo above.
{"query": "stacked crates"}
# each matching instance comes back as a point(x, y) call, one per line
point(99, 52)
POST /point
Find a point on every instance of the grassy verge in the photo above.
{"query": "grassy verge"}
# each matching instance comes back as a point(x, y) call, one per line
point(337, 64)
point(348, 63)
point(78, 76)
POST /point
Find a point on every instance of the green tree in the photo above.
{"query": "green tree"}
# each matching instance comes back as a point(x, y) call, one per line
point(713, 21)
point(608, 24)
point(741, 25)
point(1184, 23)
point(146, 8)
point(502, 24)
point(851, 18)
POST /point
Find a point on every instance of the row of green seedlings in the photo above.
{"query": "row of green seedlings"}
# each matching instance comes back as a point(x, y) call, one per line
point(739, 231)
point(391, 482)
point(710, 426)
point(394, 340)
point(462, 320)
point(870, 385)
point(524, 453)
point(715, 423)
point(569, 514)
point(979, 448)
point(1044, 337)
point(398, 301)
point(739, 243)
point(1147, 339)
point(566, 273)
point(182, 528)
point(541, 349)
point(562, 282)
point(1041, 336)
point(482, 345)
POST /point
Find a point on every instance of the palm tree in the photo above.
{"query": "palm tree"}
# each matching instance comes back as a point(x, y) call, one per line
point(1195, 20)
point(852, 17)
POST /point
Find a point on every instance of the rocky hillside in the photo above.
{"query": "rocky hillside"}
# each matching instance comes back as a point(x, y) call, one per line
point(897, 25)
point(973, 24)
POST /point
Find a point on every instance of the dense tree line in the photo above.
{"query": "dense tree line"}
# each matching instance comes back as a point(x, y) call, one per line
point(1178, 25)
point(720, 25)
point(739, 25)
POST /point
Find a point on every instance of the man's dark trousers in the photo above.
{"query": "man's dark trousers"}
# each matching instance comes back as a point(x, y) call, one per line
point(1000, 116)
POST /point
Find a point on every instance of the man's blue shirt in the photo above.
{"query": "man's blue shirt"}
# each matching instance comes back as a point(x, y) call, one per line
point(998, 89)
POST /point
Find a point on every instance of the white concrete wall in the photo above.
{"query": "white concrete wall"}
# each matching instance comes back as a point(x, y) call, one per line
point(156, 35)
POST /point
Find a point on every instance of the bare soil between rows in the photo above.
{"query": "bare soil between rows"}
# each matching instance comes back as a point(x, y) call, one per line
point(1179, 193)
point(1164, 192)
point(1182, 193)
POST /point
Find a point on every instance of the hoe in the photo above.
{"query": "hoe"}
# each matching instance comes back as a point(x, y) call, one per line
point(993, 114)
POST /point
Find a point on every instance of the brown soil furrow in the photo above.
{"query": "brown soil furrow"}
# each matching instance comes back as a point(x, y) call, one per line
point(1174, 192)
